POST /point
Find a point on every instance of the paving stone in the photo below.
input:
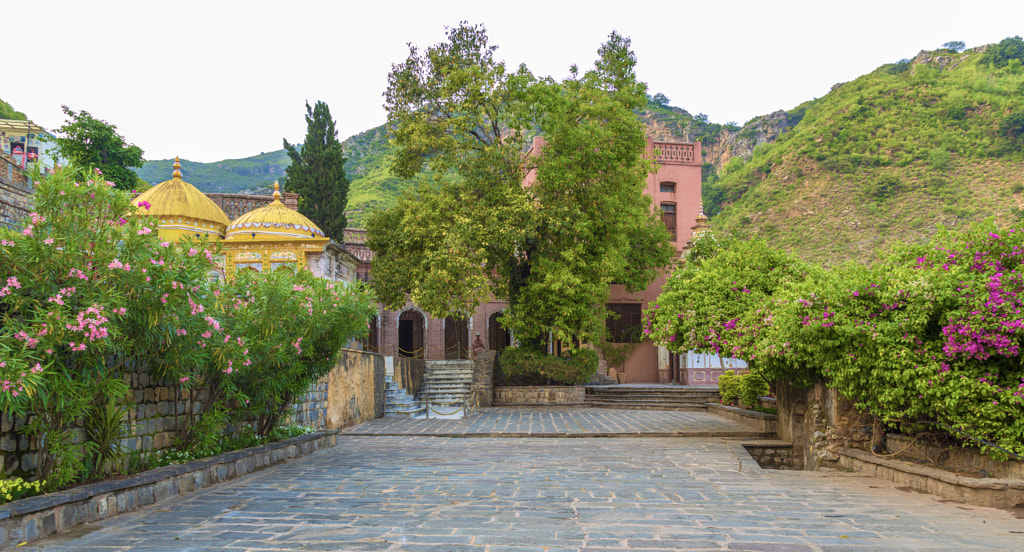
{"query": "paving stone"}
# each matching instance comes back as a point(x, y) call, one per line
point(424, 492)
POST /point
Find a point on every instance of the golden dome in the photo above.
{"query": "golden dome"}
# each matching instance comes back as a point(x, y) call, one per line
point(273, 222)
point(181, 208)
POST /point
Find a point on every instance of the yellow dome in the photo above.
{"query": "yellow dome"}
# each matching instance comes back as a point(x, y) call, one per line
point(273, 222)
point(182, 210)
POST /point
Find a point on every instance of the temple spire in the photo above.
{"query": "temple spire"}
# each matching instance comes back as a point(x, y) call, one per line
point(177, 168)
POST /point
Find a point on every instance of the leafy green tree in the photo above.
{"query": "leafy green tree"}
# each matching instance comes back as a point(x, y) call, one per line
point(720, 300)
point(955, 46)
point(471, 230)
point(317, 172)
point(91, 142)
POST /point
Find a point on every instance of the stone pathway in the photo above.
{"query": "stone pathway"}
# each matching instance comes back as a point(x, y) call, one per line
point(563, 422)
point(420, 493)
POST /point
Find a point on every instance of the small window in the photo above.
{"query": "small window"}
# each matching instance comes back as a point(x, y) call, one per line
point(668, 188)
point(624, 322)
point(668, 216)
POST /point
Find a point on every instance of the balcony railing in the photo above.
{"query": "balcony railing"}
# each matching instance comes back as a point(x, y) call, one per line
point(674, 152)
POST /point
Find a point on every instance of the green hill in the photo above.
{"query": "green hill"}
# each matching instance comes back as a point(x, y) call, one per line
point(249, 175)
point(8, 112)
point(885, 158)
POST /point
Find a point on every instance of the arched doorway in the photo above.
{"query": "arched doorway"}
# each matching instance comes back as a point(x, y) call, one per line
point(410, 334)
point(456, 338)
point(497, 337)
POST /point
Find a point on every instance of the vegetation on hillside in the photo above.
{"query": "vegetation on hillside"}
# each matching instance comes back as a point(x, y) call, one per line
point(7, 111)
point(936, 139)
point(250, 175)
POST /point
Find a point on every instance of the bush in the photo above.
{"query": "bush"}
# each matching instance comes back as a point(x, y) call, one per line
point(525, 366)
point(752, 387)
point(729, 387)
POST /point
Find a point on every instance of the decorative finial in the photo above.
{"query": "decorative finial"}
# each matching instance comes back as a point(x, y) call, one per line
point(277, 191)
point(177, 168)
point(701, 217)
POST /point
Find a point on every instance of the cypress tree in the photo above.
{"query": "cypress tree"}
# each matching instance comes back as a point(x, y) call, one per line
point(317, 173)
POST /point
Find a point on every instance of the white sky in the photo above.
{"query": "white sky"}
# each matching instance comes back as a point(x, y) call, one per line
point(219, 79)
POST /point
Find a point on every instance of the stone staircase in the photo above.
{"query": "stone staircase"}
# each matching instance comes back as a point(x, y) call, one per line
point(398, 403)
point(447, 388)
point(446, 392)
point(650, 397)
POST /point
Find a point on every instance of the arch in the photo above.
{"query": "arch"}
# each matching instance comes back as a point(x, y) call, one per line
point(411, 334)
point(456, 338)
point(497, 337)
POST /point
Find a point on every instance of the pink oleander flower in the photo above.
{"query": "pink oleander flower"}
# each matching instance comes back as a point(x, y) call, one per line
point(145, 205)
point(48, 241)
point(27, 231)
point(144, 230)
point(183, 379)
point(13, 282)
point(164, 244)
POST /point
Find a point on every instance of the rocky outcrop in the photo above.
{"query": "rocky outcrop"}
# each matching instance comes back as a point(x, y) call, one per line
point(719, 143)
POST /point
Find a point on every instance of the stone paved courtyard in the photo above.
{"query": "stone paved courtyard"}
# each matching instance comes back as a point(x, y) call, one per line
point(491, 494)
point(562, 422)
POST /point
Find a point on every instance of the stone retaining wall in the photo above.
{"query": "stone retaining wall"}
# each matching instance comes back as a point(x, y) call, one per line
point(760, 421)
point(33, 518)
point(953, 458)
point(483, 377)
point(539, 395)
point(991, 492)
point(773, 455)
point(353, 392)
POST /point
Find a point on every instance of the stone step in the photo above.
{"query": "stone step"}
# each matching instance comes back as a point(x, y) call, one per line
point(681, 407)
point(652, 397)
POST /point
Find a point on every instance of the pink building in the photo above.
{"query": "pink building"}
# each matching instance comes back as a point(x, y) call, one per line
point(675, 188)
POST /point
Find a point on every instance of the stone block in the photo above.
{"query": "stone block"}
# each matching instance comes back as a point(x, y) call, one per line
point(144, 495)
point(7, 444)
point(31, 529)
point(149, 395)
point(163, 408)
point(29, 461)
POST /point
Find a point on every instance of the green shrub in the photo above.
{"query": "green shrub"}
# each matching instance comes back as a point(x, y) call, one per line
point(729, 387)
point(752, 387)
point(525, 366)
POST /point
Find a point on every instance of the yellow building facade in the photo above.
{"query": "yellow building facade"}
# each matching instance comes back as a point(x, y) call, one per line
point(264, 239)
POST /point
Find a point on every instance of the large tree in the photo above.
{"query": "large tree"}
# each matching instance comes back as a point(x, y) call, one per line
point(317, 172)
point(471, 230)
point(90, 142)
